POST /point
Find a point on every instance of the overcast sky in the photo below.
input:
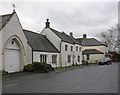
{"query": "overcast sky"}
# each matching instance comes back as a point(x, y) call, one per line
point(91, 18)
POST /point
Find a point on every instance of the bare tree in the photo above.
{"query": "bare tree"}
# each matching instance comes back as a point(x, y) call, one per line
point(110, 37)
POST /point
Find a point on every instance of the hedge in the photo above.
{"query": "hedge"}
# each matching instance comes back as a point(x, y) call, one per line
point(38, 67)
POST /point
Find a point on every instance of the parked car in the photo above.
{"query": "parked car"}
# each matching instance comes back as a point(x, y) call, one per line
point(105, 61)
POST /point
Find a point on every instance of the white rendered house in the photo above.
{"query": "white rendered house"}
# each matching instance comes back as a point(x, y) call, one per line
point(42, 50)
point(69, 48)
point(92, 49)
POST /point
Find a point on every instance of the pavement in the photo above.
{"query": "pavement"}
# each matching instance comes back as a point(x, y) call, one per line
point(91, 79)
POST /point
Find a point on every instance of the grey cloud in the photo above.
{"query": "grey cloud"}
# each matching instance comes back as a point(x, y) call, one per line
point(90, 18)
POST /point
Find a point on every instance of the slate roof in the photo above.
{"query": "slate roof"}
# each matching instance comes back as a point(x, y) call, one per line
point(65, 37)
point(92, 51)
point(89, 42)
point(39, 42)
point(75, 40)
point(4, 19)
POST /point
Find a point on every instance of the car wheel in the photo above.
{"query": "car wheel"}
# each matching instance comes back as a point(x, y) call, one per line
point(107, 63)
point(110, 63)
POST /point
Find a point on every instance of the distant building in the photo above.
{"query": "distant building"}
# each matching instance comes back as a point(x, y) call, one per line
point(92, 49)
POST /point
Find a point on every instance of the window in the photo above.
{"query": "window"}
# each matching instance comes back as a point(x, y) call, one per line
point(66, 47)
point(12, 42)
point(78, 58)
point(76, 48)
point(88, 57)
point(69, 58)
point(79, 48)
point(54, 59)
point(71, 48)
point(43, 58)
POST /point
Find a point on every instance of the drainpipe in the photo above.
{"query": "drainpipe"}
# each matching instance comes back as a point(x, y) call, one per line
point(60, 52)
point(32, 55)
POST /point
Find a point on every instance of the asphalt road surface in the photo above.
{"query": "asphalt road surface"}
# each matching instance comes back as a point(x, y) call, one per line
point(91, 79)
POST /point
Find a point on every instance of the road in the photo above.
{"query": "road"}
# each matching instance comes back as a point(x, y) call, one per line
point(91, 79)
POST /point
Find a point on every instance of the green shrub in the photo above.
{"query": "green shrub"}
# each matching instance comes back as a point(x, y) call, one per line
point(28, 68)
point(39, 67)
point(48, 68)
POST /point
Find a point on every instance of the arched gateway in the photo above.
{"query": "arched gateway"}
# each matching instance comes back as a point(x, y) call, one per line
point(13, 55)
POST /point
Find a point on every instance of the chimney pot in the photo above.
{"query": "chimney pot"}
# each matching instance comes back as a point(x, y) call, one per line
point(84, 36)
point(47, 20)
point(71, 34)
point(47, 23)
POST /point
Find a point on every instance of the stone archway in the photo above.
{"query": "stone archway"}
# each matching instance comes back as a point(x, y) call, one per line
point(13, 55)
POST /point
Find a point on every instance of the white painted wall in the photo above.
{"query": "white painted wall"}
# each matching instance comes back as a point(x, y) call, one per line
point(64, 54)
point(78, 53)
point(28, 55)
point(36, 57)
point(13, 28)
point(95, 57)
point(52, 37)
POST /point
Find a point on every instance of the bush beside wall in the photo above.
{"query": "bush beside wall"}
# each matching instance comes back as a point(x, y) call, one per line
point(28, 68)
point(40, 67)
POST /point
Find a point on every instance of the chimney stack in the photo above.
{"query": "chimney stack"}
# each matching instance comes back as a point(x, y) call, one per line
point(47, 23)
point(71, 34)
point(84, 36)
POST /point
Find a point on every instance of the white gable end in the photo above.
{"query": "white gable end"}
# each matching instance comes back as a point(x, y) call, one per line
point(12, 28)
point(52, 37)
point(13, 31)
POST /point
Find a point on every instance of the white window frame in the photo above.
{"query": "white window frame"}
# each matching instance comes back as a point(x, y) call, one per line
point(69, 58)
point(43, 58)
point(54, 59)
point(66, 47)
point(78, 58)
point(76, 48)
